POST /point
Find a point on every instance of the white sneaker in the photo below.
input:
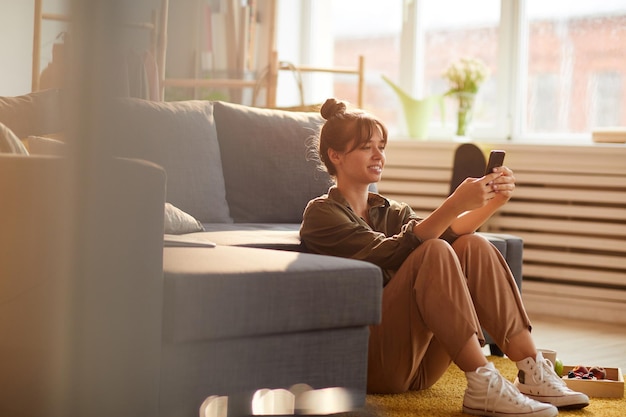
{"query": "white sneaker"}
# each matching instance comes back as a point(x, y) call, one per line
point(536, 378)
point(488, 393)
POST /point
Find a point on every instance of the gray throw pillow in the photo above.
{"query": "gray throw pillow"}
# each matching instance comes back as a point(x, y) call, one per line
point(10, 143)
point(268, 171)
point(180, 137)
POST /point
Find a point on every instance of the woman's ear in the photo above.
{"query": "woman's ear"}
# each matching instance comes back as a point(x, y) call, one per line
point(334, 156)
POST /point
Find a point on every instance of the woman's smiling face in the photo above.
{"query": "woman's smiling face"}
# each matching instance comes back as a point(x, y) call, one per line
point(365, 163)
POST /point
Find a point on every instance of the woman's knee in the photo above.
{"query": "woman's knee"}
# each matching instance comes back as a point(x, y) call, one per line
point(429, 250)
point(436, 246)
point(471, 241)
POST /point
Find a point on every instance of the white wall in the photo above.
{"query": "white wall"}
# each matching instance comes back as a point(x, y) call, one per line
point(16, 42)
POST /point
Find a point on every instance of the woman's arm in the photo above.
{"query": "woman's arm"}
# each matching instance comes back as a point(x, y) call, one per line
point(472, 204)
point(502, 190)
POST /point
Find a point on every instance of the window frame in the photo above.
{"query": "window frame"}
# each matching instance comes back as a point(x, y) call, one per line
point(512, 57)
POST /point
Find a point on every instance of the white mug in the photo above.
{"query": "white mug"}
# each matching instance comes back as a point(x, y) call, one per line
point(548, 354)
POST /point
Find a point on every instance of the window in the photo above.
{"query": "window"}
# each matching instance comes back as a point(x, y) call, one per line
point(334, 34)
point(576, 63)
point(543, 99)
point(359, 28)
point(557, 67)
point(472, 31)
point(606, 90)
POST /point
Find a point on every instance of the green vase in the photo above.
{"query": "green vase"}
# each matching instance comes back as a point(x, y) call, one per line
point(417, 113)
point(464, 112)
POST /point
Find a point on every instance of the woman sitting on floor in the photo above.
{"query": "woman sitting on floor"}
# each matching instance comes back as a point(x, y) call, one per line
point(442, 281)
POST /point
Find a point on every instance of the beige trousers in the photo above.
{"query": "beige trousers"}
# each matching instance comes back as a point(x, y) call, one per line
point(439, 298)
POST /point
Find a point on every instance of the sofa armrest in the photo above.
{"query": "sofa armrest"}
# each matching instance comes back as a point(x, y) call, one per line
point(513, 252)
point(81, 289)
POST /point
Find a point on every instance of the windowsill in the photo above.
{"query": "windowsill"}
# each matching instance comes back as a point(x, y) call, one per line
point(587, 142)
point(611, 136)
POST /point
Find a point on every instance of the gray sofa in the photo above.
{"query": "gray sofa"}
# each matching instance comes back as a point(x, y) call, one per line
point(238, 318)
point(231, 319)
point(252, 311)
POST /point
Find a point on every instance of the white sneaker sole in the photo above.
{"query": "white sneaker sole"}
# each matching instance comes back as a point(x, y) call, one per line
point(548, 412)
point(564, 403)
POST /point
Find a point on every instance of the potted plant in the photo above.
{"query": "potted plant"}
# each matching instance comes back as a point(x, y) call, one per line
point(465, 77)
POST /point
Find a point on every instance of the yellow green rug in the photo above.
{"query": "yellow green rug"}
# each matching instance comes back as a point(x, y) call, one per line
point(445, 398)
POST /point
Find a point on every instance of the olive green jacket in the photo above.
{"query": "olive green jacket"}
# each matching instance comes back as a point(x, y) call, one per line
point(330, 227)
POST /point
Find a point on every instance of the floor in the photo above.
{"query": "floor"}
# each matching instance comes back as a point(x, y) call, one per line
point(582, 342)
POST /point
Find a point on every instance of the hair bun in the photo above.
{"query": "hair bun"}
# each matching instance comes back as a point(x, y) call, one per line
point(332, 107)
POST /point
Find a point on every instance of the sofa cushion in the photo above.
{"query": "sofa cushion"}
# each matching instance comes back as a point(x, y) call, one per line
point(268, 171)
point(286, 236)
point(36, 113)
point(280, 236)
point(9, 143)
point(229, 292)
point(180, 137)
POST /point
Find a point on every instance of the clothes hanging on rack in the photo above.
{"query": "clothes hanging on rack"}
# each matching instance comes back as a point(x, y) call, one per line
point(54, 75)
point(142, 75)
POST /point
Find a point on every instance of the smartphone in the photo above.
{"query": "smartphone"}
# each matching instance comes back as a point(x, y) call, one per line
point(496, 159)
